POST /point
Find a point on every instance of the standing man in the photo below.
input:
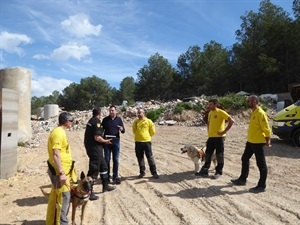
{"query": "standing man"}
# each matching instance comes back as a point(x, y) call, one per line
point(143, 130)
point(112, 126)
point(216, 136)
point(61, 172)
point(258, 135)
point(93, 142)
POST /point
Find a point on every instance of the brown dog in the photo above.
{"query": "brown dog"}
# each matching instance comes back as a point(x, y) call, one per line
point(197, 156)
point(79, 195)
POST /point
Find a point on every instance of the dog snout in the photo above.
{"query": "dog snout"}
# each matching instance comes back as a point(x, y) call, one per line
point(183, 150)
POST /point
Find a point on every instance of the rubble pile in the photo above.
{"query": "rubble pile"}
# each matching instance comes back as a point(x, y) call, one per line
point(128, 114)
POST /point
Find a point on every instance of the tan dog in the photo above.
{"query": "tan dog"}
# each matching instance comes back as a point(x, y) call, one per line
point(197, 156)
point(79, 195)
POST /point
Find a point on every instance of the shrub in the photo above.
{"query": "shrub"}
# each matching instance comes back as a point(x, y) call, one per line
point(154, 114)
point(181, 106)
point(233, 101)
point(198, 107)
point(178, 109)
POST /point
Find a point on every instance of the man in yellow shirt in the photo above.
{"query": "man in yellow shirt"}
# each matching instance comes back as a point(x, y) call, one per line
point(258, 135)
point(216, 135)
point(143, 129)
point(61, 172)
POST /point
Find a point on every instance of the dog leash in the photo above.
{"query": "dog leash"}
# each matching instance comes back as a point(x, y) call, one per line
point(55, 199)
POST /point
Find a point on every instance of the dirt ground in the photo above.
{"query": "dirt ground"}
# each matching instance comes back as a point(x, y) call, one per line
point(178, 197)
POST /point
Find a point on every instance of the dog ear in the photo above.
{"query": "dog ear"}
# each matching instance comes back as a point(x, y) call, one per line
point(82, 175)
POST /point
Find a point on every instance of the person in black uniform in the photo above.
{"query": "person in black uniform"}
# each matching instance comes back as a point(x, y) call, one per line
point(113, 125)
point(93, 142)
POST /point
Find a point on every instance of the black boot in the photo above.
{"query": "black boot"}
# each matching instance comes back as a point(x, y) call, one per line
point(108, 187)
point(105, 185)
point(93, 196)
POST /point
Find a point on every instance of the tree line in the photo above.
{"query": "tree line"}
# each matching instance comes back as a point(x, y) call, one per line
point(265, 59)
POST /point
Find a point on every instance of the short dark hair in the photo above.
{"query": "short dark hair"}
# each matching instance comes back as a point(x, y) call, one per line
point(214, 100)
point(64, 117)
point(96, 112)
point(254, 98)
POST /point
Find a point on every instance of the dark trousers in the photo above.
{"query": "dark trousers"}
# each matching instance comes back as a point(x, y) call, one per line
point(114, 150)
point(212, 144)
point(142, 148)
point(258, 150)
point(97, 163)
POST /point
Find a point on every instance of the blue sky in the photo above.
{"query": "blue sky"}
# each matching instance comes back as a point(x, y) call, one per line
point(63, 41)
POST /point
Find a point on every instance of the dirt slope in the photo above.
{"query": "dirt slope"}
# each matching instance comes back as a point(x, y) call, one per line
point(178, 197)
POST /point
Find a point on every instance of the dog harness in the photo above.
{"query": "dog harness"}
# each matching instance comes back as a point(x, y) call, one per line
point(83, 194)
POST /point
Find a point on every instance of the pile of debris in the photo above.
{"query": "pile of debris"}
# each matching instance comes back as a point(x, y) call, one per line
point(128, 114)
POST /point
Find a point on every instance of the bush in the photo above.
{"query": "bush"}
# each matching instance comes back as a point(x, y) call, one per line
point(198, 107)
point(233, 101)
point(154, 114)
point(178, 110)
point(181, 106)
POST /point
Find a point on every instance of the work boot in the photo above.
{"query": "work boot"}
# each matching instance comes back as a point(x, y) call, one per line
point(105, 185)
point(108, 187)
point(203, 172)
point(93, 197)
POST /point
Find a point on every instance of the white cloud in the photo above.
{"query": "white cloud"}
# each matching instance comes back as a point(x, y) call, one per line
point(40, 56)
point(44, 86)
point(80, 26)
point(70, 51)
point(10, 42)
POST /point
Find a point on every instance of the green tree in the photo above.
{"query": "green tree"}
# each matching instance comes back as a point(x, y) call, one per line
point(127, 88)
point(296, 9)
point(91, 92)
point(262, 54)
point(154, 80)
point(187, 65)
point(295, 45)
point(212, 76)
point(68, 98)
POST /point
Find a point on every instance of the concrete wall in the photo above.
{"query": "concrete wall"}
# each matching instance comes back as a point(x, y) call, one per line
point(9, 100)
point(40, 112)
point(50, 110)
point(19, 80)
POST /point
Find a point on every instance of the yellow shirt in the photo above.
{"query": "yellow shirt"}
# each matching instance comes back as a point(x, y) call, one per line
point(216, 122)
point(143, 130)
point(259, 127)
point(58, 140)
